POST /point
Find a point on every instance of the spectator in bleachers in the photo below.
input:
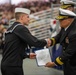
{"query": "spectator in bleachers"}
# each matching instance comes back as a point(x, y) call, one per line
point(8, 9)
point(2, 31)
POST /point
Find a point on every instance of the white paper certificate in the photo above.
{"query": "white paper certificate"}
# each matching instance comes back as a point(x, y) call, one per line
point(43, 56)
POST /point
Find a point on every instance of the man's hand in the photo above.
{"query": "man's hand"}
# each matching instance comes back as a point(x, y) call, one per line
point(48, 42)
point(32, 55)
point(50, 64)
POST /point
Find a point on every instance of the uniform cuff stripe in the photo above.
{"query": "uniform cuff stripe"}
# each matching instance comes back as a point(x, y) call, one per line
point(58, 61)
point(53, 40)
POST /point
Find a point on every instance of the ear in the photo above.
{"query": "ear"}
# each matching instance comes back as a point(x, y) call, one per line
point(70, 20)
point(21, 17)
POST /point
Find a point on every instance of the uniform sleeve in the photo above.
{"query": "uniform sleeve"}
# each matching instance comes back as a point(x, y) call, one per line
point(69, 53)
point(56, 39)
point(23, 33)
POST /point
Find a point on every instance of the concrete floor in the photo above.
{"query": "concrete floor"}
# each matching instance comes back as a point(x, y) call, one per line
point(31, 68)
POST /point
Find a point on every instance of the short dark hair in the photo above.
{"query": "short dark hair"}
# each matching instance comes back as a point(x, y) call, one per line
point(17, 15)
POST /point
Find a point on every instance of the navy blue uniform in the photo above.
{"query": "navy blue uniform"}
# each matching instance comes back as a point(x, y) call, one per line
point(17, 38)
point(68, 41)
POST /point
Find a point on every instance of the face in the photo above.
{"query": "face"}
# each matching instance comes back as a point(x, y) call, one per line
point(25, 19)
point(65, 22)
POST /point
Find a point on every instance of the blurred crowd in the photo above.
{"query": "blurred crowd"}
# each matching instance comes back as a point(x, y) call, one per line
point(7, 10)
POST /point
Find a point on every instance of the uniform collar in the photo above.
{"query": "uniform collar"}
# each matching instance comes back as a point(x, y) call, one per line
point(67, 28)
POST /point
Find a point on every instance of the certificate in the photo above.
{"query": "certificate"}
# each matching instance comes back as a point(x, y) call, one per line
point(43, 56)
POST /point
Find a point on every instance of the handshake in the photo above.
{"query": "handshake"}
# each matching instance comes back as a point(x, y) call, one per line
point(49, 43)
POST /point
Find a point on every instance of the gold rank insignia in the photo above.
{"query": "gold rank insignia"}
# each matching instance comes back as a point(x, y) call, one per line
point(67, 40)
point(65, 6)
point(61, 17)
